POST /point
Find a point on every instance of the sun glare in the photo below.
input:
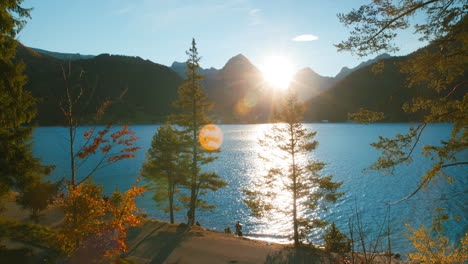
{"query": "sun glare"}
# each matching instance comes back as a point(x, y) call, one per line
point(277, 71)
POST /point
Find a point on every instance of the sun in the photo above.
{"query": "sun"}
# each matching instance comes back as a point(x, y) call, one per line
point(277, 71)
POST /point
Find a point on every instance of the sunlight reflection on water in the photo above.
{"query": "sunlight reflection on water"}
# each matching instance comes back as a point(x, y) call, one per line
point(344, 147)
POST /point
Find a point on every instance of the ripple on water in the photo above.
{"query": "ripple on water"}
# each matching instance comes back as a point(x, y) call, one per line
point(344, 147)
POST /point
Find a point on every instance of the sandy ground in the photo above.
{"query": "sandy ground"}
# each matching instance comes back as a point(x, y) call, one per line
point(158, 242)
point(161, 242)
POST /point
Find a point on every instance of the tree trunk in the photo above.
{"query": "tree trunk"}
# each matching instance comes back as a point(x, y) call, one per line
point(296, 231)
point(193, 189)
point(72, 155)
point(191, 212)
point(171, 203)
point(294, 177)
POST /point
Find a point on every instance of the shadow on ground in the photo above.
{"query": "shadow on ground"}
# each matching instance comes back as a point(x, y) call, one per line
point(158, 244)
point(291, 255)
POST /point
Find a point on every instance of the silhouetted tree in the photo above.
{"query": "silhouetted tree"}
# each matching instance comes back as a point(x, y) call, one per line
point(37, 196)
point(192, 106)
point(288, 144)
point(335, 240)
point(18, 167)
point(90, 217)
point(439, 67)
point(166, 168)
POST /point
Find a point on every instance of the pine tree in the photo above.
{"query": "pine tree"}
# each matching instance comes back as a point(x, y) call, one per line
point(166, 168)
point(288, 144)
point(18, 167)
point(441, 67)
point(336, 241)
point(37, 197)
point(192, 117)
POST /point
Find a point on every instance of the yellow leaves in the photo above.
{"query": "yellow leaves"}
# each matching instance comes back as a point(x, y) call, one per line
point(430, 248)
point(378, 67)
point(92, 219)
point(366, 116)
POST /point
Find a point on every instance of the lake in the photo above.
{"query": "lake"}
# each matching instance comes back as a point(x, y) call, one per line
point(344, 147)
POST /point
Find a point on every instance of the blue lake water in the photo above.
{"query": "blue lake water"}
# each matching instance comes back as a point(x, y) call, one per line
point(344, 147)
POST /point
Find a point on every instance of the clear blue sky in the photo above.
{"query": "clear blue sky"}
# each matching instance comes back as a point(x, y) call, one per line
point(161, 31)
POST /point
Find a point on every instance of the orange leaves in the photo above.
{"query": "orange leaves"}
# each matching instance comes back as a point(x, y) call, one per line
point(88, 134)
point(130, 149)
point(93, 221)
point(106, 148)
point(96, 222)
point(102, 109)
point(120, 157)
point(122, 140)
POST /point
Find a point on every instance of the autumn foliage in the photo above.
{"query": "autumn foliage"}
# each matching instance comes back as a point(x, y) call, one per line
point(95, 225)
point(104, 142)
point(436, 248)
point(96, 222)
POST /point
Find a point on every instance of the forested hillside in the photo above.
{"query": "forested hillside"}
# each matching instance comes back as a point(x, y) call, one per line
point(140, 91)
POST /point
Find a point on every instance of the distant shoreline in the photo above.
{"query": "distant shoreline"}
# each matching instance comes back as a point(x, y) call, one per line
point(159, 124)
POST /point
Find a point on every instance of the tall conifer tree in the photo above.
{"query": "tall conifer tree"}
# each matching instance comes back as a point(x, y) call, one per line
point(166, 168)
point(440, 67)
point(288, 144)
point(192, 105)
point(18, 167)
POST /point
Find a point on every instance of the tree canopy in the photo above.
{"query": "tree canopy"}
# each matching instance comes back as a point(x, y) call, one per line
point(288, 144)
point(18, 167)
point(439, 67)
point(166, 168)
point(192, 116)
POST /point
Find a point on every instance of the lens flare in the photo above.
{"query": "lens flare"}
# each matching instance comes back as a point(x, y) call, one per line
point(210, 137)
point(245, 105)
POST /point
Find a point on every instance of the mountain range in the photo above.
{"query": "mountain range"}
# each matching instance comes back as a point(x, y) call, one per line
point(141, 91)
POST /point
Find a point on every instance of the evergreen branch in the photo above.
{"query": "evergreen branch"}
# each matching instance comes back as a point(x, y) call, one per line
point(389, 23)
point(455, 195)
point(424, 182)
point(454, 164)
point(456, 87)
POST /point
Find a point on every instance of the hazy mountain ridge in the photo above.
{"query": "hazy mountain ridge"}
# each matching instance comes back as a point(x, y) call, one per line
point(141, 91)
point(363, 88)
point(63, 56)
point(345, 71)
point(308, 83)
point(239, 92)
point(181, 67)
point(238, 89)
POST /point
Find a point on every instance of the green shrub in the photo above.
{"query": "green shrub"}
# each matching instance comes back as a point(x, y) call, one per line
point(336, 241)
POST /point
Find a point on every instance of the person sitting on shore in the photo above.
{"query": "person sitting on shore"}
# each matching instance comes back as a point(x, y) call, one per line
point(238, 228)
point(227, 230)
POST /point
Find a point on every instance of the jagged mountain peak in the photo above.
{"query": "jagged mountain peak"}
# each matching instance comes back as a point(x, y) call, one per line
point(239, 59)
point(306, 71)
point(240, 56)
point(345, 71)
point(177, 64)
point(239, 65)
